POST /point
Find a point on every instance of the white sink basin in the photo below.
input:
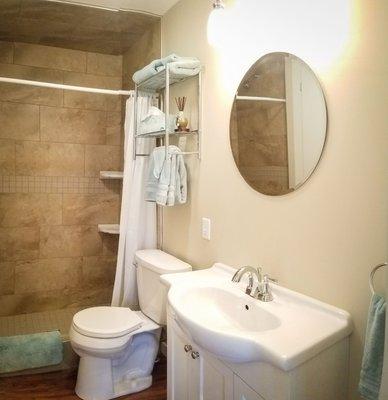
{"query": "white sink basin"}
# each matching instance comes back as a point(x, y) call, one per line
point(222, 319)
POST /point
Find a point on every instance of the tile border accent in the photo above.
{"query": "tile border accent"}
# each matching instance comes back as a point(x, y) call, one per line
point(57, 184)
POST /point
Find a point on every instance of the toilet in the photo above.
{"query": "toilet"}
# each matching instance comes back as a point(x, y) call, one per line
point(118, 346)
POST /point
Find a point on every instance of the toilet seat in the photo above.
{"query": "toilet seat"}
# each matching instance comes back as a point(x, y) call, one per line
point(106, 322)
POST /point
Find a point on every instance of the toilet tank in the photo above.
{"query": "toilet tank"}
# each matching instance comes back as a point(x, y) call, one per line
point(152, 293)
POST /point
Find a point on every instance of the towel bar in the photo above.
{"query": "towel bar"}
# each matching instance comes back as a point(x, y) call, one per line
point(372, 274)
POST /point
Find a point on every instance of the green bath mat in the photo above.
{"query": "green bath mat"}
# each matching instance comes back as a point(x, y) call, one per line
point(30, 351)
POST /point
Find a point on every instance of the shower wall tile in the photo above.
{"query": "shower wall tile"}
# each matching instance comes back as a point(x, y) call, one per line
point(49, 57)
point(98, 271)
point(49, 159)
point(48, 274)
point(104, 64)
point(6, 52)
point(102, 158)
point(7, 281)
point(19, 244)
point(53, 144)
point(90, 209)
point(29, 209)
point(31, 73)
point(7, 157)
point(72, 125)
point(114, 129)
point(110, 244)
point(69, 241)
point(53, 300)
point(19, 121)
point(30, 94)
point(90, 80)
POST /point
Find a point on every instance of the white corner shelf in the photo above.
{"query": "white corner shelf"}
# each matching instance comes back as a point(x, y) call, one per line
point(110, 229)
point(111, 175)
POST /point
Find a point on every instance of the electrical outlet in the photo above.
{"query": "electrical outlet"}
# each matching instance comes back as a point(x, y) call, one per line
point(206, 228)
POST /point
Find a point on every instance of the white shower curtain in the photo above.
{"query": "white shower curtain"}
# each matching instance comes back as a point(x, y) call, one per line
point(138, 217)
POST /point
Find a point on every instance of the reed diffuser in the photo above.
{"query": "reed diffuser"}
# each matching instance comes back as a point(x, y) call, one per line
point(181, 121)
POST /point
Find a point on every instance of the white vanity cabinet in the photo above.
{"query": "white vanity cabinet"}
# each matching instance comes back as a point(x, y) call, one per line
point(195, 374)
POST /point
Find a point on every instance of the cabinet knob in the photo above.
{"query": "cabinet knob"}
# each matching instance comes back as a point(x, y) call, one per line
point(194, 354)
point(187, 348)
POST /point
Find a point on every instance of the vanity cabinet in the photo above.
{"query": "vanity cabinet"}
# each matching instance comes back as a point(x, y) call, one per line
point(195, 374)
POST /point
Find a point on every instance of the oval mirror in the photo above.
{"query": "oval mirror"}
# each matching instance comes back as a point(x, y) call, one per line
point(278, 124)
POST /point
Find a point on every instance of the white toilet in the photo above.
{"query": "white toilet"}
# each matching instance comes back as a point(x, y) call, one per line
point(118, 346)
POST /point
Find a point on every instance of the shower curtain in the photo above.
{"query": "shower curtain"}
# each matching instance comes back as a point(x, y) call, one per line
point(138, 217)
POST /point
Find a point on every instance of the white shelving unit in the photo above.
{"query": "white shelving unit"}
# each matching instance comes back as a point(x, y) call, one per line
point(160, 83)
point(110, 229)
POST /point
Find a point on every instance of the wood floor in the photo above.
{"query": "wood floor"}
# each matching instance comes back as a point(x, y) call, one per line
point(60, 386)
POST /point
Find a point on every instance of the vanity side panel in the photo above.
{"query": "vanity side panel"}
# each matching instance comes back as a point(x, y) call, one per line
point(324, 377)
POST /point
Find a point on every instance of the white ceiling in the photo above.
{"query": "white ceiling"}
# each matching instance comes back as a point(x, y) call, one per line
point(157, 7)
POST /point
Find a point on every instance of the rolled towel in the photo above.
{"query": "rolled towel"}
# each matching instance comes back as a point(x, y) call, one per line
point(372, 362)
point(22, 352)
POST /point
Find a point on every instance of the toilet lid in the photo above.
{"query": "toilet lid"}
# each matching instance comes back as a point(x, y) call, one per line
point(106, 322)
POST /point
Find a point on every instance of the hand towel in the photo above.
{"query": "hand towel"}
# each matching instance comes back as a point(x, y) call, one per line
point(156, 166)
point(167, 178)
point(372, 362)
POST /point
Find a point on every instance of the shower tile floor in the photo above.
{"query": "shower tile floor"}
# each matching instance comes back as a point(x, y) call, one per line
point(38, 322)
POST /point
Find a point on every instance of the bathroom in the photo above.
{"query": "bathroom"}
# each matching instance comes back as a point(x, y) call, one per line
point(62, 208)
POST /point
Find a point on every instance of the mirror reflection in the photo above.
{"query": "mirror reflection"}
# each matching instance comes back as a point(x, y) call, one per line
point(278, 124)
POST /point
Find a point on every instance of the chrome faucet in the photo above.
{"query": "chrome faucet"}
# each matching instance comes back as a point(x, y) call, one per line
point(263, 290)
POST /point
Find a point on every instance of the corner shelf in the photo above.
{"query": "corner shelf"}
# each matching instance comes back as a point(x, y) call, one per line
point(110, 229)
point(111, 175)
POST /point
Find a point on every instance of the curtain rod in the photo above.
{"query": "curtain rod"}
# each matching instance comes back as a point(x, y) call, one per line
point(67, 87)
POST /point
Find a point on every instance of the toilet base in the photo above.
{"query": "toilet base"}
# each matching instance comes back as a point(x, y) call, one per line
point(92, 384)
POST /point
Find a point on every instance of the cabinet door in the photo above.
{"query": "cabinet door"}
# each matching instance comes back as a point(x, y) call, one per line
point(217, 379)
point(243, 392)
point(183, 371)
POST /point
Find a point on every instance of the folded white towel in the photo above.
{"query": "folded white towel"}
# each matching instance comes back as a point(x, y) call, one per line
point(155, 122)
point(158, 65)
point(167, 178)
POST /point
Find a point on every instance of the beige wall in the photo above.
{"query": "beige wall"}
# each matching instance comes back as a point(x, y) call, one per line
point(323, 239)
point(53, 143)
